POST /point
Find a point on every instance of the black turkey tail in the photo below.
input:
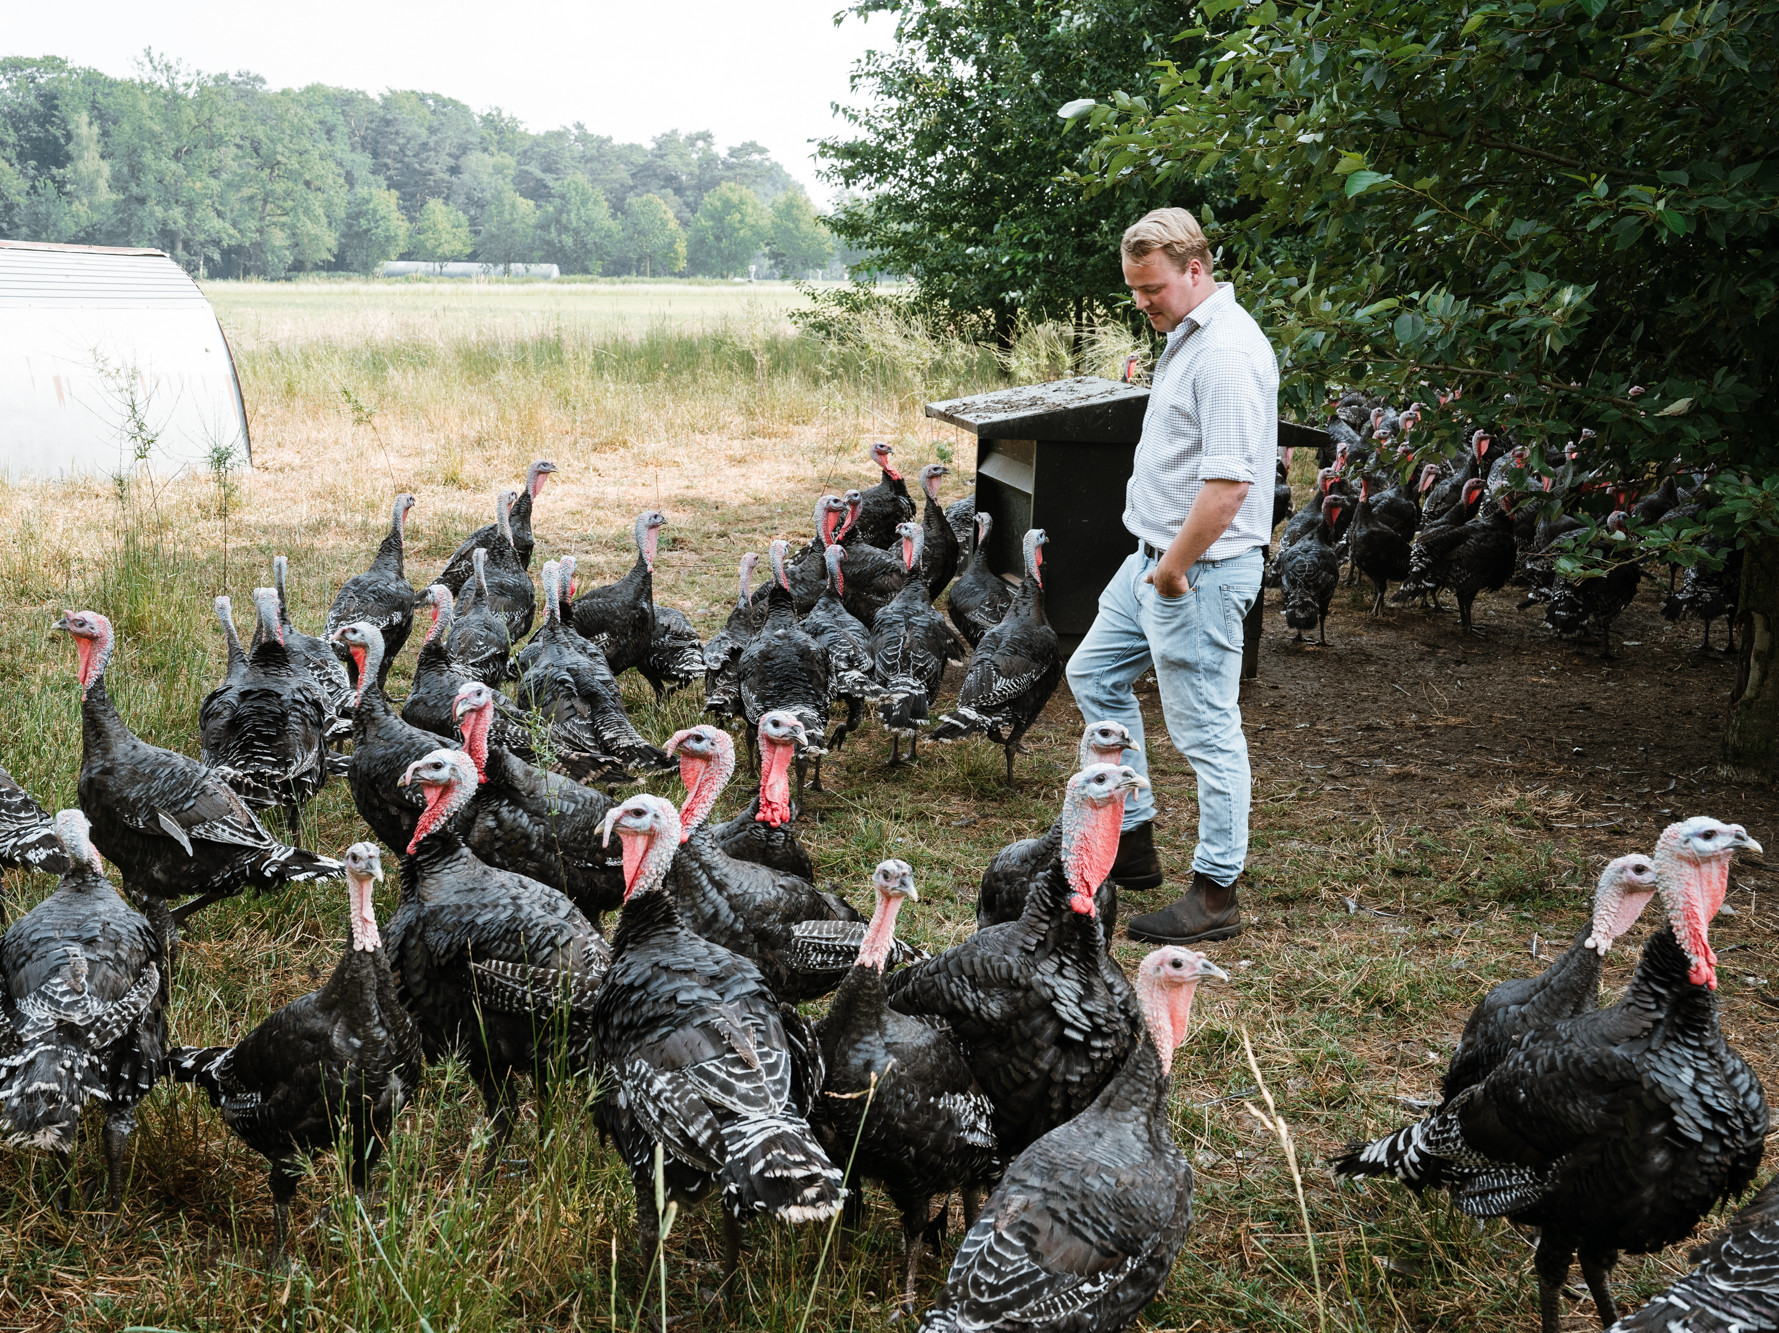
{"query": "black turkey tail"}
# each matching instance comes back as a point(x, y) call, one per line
point(964, 722)
point(819, 947)
point(776, 1168)
point(199, 1065)
point(292, 865)
point(1416, 1155)
point(902, 707)
point(42, 1090)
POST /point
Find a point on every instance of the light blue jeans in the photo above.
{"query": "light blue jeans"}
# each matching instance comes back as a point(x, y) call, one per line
point(1194, 643)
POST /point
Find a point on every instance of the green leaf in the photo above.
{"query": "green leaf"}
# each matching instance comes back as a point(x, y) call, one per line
point(1361, 181)
point(1678, 408)
point(1593, 8)
point(1471, 24)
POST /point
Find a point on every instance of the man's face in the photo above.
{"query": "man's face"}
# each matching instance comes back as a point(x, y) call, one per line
point(1164, 293)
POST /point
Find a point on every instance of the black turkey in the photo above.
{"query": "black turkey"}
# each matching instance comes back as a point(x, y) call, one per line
point(1082, 1231)
point(506, 586)
point(170, 824)
point(267, 720)
point(784, 669)
point(1044, 1015)
point(766, 830)
point(1734, 1289)
point(807, 573)
point(961, 514)
point(1281, 490)
point(383, 745)
point(566, 680)
point(980, 597)
point(1382, 534)
point(1707, 594)
point(676, 653)
point(1467, 558)
point(1014, 670)
point(478, 638)
point(900, 1090)
point(1568, 987)
point(494, 967)
point(534, 822)
point(330, 1069)
point(380, 596)
point(939, 549)
point(619, 619)
point(1309, 573)
point(1421, 581)
point(910, 645)
point(28, 838)
point(1616, 1130)
point(699, 1060)
point(1573, 606)
point(722, 690)
point(1018, 867)
point(432, 699)
point(458, 569)
point(848, 645)
point(84, 974)
point(319, 658)
point(883, 508)
point(742, 905)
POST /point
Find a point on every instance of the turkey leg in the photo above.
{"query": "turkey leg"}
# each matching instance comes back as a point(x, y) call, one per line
point(284, 1179)
point(1551, 1263)
point(1597, 1269)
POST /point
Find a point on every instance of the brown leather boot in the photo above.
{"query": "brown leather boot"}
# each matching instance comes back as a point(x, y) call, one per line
point(1138, 867)
point(1205, 912)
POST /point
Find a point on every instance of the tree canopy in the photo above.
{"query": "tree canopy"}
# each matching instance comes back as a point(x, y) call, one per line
point(236, 179)
point(955, 155)
point(1562, 207)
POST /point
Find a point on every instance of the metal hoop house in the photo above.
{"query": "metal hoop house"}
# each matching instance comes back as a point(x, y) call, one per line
point(110, 358)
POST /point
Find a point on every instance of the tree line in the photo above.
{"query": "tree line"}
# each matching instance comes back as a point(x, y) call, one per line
point(238, 180)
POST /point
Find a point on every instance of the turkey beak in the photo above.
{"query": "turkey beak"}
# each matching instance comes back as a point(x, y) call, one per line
point(605, 826)
point(1739, 838)
point(62, 624)
point(1209, 971)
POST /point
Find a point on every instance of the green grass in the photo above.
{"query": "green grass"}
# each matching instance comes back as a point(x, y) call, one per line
point(1346, 1010)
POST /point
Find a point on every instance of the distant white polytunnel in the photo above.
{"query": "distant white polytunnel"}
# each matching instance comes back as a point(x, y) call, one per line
point(110, 358)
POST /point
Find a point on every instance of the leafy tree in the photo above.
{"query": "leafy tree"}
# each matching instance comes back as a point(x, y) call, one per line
point(1565, 208)
point(799, 242)
point(285, 193)
point(578, 231)
point(954, 153)
point(653, 240)
point(375, 230)
point(508, 233)
point(440, 233)
point(731, 225)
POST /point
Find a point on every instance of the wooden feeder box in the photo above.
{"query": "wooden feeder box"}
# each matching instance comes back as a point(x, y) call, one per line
point(1057, 456)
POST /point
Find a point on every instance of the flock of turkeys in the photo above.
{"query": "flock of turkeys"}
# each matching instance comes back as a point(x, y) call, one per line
point(1021, 1069)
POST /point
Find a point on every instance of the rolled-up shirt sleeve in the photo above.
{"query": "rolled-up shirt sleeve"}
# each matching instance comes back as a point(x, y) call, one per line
point(1233, 401)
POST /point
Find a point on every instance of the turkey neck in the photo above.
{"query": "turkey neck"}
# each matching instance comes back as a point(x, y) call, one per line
point(775, 785)
point(390, 556)
point(1028, 604)
point(1661, 988)
point(102, 728)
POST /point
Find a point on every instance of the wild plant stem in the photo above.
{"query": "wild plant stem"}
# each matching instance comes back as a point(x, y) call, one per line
point(833, 1226)
point(1276, 1124)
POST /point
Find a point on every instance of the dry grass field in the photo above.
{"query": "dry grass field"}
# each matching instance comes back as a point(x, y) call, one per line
point(1425, 810)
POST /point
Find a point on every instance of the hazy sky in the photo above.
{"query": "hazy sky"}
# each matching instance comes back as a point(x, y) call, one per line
point(764, 70)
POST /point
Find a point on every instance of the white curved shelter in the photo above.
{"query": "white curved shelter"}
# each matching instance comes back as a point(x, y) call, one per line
point(109, 357)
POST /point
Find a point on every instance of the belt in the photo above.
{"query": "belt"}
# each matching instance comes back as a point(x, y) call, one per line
point(1156, 552)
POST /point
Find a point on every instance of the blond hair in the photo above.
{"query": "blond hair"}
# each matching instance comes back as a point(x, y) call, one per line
point(1174, 232)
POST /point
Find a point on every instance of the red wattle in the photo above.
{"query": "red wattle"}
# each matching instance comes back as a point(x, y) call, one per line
point(429, 818)
point(651, 542)
point(83, 649)
point(635, 850)
point(775, 788)
point(1082, 903)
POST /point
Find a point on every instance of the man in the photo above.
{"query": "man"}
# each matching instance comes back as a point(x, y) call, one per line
point(1177, 603)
